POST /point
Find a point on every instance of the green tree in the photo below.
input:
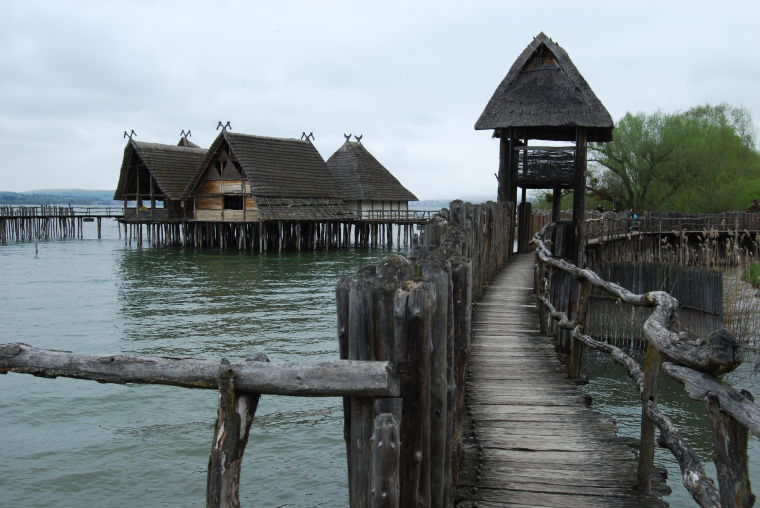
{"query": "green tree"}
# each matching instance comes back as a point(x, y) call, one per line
point(700, 160)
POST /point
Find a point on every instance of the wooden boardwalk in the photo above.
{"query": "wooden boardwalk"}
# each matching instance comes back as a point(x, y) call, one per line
point(536, 443)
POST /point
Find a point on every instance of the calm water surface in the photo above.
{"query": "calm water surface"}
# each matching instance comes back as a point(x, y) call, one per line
point(74, 443)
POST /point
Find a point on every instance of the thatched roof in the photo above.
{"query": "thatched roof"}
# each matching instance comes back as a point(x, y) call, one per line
point(171, 166)
point(277, 167)
point(303, 209)
point(362, 177)
point(546, 96)
point(288, 177)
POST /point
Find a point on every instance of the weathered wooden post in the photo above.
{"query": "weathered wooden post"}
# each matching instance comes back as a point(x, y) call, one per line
point(437, 274)
point(415, 385)
point(461, 273)
point(730, 455)
point(231, 431)
point(649, 393)
point(575, 362)
point(384, 469)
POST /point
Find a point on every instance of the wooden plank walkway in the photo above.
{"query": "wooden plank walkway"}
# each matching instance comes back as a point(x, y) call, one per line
point(536, 443)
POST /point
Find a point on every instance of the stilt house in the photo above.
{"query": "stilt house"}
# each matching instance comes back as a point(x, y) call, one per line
point(153, 179)
point(369, 190)
point(246, 178)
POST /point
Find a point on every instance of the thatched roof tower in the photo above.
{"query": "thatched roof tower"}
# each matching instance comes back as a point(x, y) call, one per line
point(545, 97)
point(361, 177)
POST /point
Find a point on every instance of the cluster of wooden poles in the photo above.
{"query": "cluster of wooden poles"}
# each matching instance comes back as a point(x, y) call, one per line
point(32, 228)
point(269, 236)
point(33, 223)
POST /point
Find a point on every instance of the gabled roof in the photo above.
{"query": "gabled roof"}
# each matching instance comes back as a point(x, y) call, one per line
point(362, 177)
point(275, 167)
point(171, 166)
point(544, 93)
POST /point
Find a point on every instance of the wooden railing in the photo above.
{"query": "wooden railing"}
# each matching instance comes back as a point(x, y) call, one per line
point(416, 216)
point(60, 211)
point(240, 386)
point(563, 292)
point(404, 335)
point(604, 226)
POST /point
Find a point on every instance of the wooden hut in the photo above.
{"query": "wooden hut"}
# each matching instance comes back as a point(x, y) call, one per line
point(545, 97)
point(370, 191)
point(246, 178)
point(153, 179)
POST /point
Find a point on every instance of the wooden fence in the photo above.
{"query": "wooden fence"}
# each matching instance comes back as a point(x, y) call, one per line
point(699, 292)
point(404, 335)
point(698, 364)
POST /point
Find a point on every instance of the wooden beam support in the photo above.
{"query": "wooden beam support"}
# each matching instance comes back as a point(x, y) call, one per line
point(505, 175)
point(579, 197)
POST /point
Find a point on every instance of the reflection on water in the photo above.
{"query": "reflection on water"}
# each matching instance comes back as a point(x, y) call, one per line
point(211, 304)
point(71, 442)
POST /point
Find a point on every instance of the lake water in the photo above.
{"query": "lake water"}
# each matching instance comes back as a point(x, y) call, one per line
point(73, 443)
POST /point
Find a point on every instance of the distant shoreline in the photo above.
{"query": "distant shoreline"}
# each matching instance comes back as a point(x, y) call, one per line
point(57, 197)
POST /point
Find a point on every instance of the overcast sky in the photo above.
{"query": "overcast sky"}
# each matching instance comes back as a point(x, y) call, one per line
point(411, 77)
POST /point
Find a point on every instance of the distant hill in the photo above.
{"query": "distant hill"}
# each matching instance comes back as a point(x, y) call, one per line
point(58, 197)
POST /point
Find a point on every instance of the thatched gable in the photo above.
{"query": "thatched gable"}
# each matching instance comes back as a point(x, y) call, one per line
point(362, 177)
point(288, 178)
point(546, 97)
point(171, 166)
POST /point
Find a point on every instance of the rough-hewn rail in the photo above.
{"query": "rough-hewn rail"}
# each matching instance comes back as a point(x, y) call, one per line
point(325, 379)
point(695, 363)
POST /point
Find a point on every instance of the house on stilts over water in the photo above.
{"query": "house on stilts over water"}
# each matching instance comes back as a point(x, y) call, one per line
point(158, 174)
point(261, 193)
point(370, 191)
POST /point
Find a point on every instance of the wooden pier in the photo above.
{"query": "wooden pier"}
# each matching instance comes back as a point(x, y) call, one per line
point(32, 223)
point(534, 441)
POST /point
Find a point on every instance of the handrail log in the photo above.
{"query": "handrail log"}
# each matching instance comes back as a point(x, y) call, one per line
point(694, 478)
point(699, 385)
point(324, 379)
point(720, 353)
